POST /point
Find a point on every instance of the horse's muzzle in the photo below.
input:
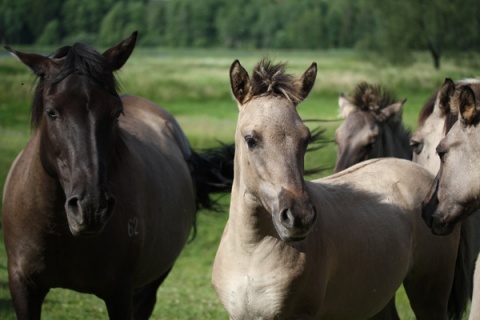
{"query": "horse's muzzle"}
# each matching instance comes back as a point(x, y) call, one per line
point(297, 226)
point(440, 227)
point(435, 218)
point(88, 216)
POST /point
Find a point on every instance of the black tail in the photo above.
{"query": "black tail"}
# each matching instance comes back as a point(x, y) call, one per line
point(317, 141)
point(212, 170)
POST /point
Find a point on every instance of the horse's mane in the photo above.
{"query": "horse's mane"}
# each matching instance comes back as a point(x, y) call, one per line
point(271, 79)
point(427, 109)
point(371, 97)
point(78, 59)
point(452, 116)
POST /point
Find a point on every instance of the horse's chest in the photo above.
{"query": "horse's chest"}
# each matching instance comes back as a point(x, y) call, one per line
point(258, 282)
point(257, 296)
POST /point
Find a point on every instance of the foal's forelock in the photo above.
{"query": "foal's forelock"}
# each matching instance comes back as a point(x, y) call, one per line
point(269, 79)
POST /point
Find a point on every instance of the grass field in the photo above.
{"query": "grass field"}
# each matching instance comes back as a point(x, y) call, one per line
point(194, 86)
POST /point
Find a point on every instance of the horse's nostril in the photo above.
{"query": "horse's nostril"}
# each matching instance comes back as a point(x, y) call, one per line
point(74, 209)
point(287, 218)
point(110, 204)
point(110, 198)
point(314, 215)
point(72, 204)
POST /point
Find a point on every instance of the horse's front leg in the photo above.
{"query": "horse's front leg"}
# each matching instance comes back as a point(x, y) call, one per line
point(120, 303)
point(475, 307)
point(389, 312)
point(26, 296)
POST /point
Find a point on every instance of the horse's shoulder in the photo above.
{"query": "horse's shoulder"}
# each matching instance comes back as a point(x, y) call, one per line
point(384, 170)
point(26, 177)
point(143, 104)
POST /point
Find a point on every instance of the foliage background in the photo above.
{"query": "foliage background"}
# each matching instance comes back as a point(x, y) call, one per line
point(388, 30)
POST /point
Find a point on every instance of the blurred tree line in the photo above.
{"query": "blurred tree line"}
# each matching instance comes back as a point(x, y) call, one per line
point(392, 29)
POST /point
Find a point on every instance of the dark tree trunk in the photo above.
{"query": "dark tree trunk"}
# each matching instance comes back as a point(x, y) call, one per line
point(435, 56)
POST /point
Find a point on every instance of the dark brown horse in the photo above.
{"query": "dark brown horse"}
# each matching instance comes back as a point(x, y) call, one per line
point(103, 197)
point(372, 127)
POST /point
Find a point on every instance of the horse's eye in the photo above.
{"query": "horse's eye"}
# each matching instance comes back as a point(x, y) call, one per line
point(442, 152)
point(417, 146)
point(251, 142)
point(52, 114)
point(118, 112)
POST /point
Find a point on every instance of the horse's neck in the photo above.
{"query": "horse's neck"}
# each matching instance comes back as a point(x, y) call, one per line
point(253, 243)
point(248, 219)
point(395, 142)
point(28, 177)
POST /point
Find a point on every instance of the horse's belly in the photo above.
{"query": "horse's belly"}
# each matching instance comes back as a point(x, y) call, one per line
point(365, 286)
point(162, 245)
point(362, 304)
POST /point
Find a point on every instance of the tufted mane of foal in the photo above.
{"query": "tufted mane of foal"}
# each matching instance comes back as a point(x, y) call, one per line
point(271, 79)
point(77, 59)
point(370, 97)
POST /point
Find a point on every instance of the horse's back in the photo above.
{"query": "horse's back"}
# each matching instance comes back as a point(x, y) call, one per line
point(379, 203)
point(396, 177)
point(152, 115)
point(383, 191)
point(398, 183)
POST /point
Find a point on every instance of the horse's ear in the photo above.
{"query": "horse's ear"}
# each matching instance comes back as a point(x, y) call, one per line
point(444, 96)
point(306, 81)
point(239, 82)
point(392, 110)
point(345, 106)
point(117, 55)
point(467, 105)
point(39, 64)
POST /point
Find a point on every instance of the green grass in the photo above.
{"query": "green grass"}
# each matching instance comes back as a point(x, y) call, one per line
point(194, 86)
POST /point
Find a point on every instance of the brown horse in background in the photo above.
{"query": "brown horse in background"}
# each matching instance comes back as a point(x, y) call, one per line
point(103, 198)
point(334, 248)
point(372, 127)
